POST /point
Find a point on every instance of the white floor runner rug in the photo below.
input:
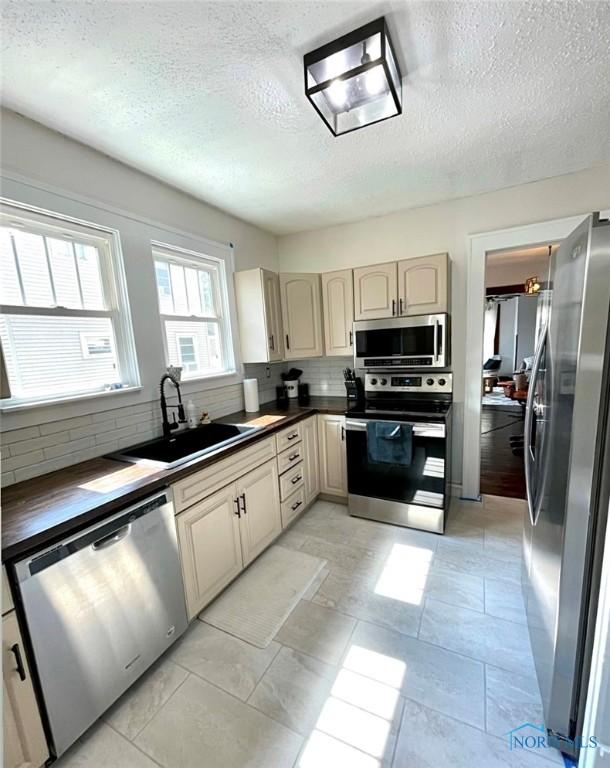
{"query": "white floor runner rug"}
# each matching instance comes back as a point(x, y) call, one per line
point(255, 606)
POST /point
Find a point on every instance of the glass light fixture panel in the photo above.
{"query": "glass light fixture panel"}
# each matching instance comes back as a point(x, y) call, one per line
point(356, 101)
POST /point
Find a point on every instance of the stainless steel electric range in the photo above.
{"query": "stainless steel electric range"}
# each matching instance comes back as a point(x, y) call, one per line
point(399, 449)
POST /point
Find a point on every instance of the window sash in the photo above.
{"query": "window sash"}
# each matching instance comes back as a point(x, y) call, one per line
point(201, 264)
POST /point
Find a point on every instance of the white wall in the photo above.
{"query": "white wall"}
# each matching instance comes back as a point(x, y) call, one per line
point(29, 149)
point(446, 227)
point(506, 273)
point(66, 177)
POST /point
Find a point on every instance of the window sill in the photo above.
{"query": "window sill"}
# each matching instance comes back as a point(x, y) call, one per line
point(24, 406)
point(212, 377)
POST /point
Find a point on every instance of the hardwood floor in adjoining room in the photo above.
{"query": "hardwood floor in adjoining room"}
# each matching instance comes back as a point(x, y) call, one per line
point(502, 472)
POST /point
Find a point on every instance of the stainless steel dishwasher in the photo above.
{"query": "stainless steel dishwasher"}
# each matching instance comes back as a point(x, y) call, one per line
point(100, 607)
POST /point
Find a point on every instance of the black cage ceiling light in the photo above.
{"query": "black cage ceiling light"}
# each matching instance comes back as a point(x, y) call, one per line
point(355, 80)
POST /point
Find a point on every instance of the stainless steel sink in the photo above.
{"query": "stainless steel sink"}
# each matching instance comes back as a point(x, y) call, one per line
point(182, 447)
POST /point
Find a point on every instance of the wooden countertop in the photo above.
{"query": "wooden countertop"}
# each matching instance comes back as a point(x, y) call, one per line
point(39, 511)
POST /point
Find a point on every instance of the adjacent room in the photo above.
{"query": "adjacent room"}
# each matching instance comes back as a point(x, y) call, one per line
point(305, 383)
point(516, 298)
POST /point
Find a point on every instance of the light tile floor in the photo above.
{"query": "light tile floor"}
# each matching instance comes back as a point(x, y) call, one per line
point(409, 650)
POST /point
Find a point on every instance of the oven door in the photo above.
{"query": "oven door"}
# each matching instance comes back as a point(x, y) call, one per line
point(414, 495)
point(405, 342)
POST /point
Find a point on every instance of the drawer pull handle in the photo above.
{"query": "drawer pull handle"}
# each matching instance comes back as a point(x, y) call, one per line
point(237, 511)
point(243, 501)
point(19, 661)
point(296, 506)
point(293, 435)
point(293, 457)
point(296, 479)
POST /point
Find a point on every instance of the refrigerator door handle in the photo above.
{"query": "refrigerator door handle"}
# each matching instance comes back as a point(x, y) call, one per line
point(533, 503)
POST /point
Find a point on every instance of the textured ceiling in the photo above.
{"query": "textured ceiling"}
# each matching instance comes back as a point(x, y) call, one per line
point(208, 96)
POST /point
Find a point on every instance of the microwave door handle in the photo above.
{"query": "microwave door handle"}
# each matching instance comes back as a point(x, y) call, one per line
point(436, 345)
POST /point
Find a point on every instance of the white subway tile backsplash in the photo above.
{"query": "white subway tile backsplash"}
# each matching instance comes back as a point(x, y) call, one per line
point(59, 426)
point(17, 435)
point(10, 463)
point(26, 446)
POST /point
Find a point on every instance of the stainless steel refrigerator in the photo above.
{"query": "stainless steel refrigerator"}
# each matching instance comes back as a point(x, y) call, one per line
point(566, 449)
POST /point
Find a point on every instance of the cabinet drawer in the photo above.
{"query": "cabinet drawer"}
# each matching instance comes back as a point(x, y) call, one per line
point(289, 458)
point(291, 480)
point(293, 506)
point(288, 437)
point(211, 479)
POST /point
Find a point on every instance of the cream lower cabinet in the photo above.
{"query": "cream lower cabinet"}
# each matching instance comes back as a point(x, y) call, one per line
point(333, 464)
point(260, 521)
point(311, 471)
point(25, 745)
point(224, 532)
point(301, 315)
point(423, 285)
point(210, 547)
point(338, 310)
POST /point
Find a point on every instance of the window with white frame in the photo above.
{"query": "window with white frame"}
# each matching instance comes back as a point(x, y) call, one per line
point(64, 324)
point(191, 289)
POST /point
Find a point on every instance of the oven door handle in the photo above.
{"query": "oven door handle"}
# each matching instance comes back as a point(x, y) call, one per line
point(351, 425)
point(420, 428)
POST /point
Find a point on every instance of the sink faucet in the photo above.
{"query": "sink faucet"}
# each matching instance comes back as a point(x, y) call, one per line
point(167, 427)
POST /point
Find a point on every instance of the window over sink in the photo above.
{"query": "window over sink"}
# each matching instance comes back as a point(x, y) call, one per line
point(64, 320)
point(192, 295)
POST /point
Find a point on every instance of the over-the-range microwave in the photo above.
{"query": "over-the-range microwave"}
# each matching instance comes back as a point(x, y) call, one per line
point(419, 341)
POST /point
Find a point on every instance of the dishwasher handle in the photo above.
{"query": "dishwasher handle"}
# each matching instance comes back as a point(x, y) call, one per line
point(112, 538)
point(102, 534)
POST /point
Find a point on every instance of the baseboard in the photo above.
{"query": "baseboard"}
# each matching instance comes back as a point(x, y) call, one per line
point(332, 499)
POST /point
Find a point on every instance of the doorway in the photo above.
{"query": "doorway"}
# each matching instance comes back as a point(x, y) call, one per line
point(515, 286)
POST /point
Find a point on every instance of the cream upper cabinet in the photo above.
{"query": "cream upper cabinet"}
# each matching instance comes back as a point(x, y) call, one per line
point(375, 291)
point(259, 498)
point(333, 465)
point(25, 745)
point(210, 549)
point(310, 453)
point(257, 295)
point(301, 315)
point(338, 307)
point(423, 285)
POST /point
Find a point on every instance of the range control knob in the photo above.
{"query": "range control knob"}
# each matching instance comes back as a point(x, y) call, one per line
point(383, 381)
point(429, 382)
point(442, 382)
point(373, 381)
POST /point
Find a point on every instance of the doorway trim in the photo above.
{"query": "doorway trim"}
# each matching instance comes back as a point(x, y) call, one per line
point(479, 246)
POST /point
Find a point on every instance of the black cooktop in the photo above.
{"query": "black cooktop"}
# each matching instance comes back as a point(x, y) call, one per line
point(386, 408)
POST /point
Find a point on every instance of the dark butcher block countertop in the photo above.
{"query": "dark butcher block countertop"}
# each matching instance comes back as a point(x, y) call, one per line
point(39, 511)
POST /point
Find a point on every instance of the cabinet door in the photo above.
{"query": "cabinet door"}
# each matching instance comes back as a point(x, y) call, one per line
point(310, 459)
point(208, 534)
point(301, 315)
point(338, 308)
point(423, 285)
point(261, 520)
point(375, 291)
point(273, 315)
point(333, 469)
point(25, 745)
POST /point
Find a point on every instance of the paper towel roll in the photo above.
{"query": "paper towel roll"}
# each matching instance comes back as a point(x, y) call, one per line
point(251, 394)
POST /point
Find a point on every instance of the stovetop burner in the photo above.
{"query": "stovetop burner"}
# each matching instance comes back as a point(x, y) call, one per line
point(400, 409)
